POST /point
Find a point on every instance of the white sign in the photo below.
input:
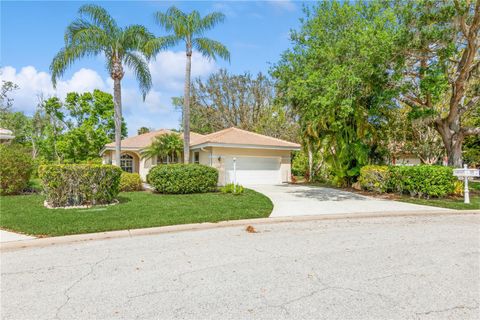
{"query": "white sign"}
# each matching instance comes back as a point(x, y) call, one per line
point(464, 174)
point(461, 173)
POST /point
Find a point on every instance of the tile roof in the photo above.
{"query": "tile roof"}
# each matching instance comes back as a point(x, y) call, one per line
point(242, 137)
point(144, 140)
point(229, 136)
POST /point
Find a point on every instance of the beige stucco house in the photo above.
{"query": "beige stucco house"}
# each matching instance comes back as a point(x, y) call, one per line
point(259, 159)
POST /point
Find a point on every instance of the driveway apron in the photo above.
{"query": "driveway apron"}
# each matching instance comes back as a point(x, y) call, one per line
point(301, 200)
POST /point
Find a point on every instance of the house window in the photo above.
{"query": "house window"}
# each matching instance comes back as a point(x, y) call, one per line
point(167, 159)
point(126, 163)
point(196, 157)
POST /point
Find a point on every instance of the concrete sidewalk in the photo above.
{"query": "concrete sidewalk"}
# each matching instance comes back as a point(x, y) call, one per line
point(301, 200)
point(8, 236)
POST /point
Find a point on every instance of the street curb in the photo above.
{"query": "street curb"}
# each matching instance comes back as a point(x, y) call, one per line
point(51, 241)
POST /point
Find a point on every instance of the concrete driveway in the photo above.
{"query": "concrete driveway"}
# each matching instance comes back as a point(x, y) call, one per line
point(363, 269)
point(300, 200)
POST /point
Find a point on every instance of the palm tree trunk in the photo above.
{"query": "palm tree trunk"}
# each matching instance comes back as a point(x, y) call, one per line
point(186, 108)
point(117, 102)
point(310, 161)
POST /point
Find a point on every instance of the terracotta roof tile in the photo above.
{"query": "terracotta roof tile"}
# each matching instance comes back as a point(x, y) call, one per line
point(242, 137)
point(144, 140)
point(230, 136)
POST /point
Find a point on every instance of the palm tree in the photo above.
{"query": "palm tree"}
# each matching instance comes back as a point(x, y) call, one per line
point(94, 33)
point(166, 145)
point(189, 29)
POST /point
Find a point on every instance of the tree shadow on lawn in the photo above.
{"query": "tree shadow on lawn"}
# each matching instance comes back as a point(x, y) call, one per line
point(123, 199)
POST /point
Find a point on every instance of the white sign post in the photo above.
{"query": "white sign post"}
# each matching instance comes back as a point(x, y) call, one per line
point(234, 175)
point(464, 174)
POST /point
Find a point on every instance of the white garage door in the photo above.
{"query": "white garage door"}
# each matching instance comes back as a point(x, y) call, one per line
point(254, 170)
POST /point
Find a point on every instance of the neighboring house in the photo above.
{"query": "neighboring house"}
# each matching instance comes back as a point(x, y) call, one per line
point(405, 159)
point(6, 136)
point(259, 159)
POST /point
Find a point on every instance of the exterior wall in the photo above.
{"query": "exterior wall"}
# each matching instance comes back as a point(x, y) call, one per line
point(212, 156)
point(108, 157)
point(144, 168)
point(218, 159)
point(406, 161)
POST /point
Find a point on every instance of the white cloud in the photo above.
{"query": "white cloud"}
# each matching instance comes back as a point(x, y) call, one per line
point(168, 69)
point(168, 72)
point(33, 83)
point(287, 5)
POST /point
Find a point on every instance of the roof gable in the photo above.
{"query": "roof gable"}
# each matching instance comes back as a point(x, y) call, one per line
point(235, 136)
point(144, 140)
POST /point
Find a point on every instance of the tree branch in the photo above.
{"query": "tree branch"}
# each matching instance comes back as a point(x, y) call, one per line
point(475, 100)
point(464, 67)
point(471, 131)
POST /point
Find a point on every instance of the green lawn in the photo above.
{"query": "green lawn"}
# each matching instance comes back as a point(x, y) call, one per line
point(447, 203)
point(27, 214)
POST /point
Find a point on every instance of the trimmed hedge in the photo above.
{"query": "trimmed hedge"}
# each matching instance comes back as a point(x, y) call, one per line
point(374, 178)
point(183, 178)
point(130, 182)
point(16, 167)
point(79, 184)
point(422, 181)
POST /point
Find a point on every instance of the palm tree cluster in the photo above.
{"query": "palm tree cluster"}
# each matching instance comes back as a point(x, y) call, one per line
point(95, 32)
point(166, 146)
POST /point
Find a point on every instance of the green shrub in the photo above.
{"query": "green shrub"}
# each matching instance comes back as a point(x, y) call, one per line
point(422, 181)
point(79, 184)
point(130, 182)
point(232, 188)
point(374, 178)
point(16, 167)
point(183, 178)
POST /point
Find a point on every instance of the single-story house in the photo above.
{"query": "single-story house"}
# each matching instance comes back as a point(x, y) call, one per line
point(259, 159)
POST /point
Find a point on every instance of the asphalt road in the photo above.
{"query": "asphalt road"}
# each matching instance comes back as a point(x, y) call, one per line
point(376, 268)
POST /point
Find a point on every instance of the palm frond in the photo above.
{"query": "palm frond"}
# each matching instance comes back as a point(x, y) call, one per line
point(211, 48)
point(68, 55)
point(172, 20)
point(140, 68)
point(211, 20)
point(153, 150)
point(153, 46)
point(100, 17)
point(135, 37)
point(83, 32)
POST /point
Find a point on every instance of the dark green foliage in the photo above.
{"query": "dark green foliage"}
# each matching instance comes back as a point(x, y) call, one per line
point(422, 181)
point(336, 76)
point(418, 181)
point(130, 182)
point(76, 129)
point(79, 184)
point(183, 178)
point(16, 167)
point(231, 188)
point(374, 178)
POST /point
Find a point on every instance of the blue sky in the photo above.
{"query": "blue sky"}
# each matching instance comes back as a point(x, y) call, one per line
point(255, 32)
